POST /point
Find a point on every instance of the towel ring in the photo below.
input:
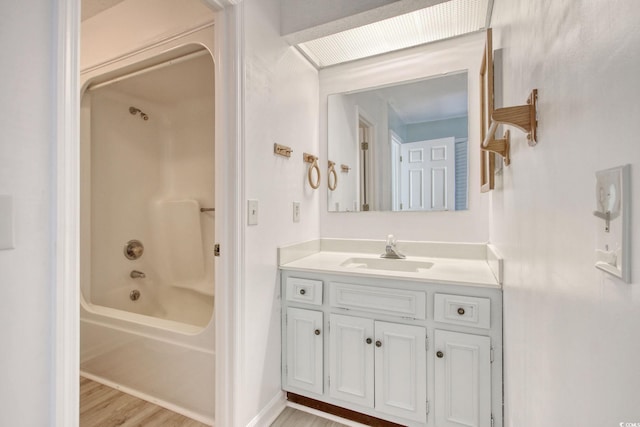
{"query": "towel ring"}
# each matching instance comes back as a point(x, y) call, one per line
point(314, 166)
point(332, 172)
point(313, 162)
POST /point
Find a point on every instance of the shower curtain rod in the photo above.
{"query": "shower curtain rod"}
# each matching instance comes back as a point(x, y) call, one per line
point(161, 65)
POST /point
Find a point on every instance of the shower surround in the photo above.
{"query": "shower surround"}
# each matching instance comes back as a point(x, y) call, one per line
point(147, 318)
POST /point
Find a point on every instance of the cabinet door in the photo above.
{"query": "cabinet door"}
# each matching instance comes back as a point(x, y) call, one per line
point(304, 350)
point(401, 370)
point(351, 359)
point(462, 380)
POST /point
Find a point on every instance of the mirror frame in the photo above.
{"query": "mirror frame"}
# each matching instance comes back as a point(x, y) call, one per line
point(487, 158)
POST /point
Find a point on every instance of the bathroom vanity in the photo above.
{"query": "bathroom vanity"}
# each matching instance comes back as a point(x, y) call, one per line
point(415, 341)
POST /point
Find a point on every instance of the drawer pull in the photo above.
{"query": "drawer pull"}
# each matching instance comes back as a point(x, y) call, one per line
point(369, 340)
point(439, 354)
point(302, 292)
point(378, 344)
point(317, 332)
point(461, 311)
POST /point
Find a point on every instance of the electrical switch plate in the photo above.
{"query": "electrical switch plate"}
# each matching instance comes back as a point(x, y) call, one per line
point(252, 212)
point(613, 230)
point(6, 222)
point(296, 211)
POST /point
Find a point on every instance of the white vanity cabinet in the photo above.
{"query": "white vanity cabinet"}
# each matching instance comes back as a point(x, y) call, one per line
point(378, 365)
point(411, 352)
point(305, 349)
point(462, 379)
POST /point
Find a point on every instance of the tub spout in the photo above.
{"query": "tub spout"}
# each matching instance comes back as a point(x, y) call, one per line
point(135, 274)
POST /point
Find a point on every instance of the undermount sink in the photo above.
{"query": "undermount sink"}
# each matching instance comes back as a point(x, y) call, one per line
point(387, 264)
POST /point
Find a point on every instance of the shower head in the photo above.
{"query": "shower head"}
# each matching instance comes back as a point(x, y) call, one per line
point(134, 111)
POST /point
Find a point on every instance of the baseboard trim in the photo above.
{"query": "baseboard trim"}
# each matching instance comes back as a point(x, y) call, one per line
point(269, 413)
point(344, 416)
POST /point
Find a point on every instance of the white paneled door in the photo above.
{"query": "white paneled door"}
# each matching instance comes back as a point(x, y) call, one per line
point(351, 359)
point(427, 177)
point(304, 350)
point(462, 380)
point(401, 370)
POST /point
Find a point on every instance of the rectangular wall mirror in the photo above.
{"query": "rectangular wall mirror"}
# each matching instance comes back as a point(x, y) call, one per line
point(401, 147)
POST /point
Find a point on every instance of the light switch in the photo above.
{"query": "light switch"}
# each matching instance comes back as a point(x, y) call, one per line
point(613, 243)
point(296, 211)
point(252, 212)
point(6, 222)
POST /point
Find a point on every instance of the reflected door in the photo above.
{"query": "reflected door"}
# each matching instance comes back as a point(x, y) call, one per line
point(427, 179)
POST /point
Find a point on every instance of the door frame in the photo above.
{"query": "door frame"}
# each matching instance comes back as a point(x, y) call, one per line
point(66, 210)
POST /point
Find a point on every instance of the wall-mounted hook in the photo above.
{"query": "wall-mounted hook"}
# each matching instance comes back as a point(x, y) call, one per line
point(282, 150)
point(524, 117)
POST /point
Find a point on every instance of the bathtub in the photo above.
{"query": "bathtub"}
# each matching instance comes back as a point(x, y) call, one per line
point(147, 174)
point(163, 361)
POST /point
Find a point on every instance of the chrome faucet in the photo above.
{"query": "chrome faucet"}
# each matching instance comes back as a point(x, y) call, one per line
point(135, 274)
point(390, 250)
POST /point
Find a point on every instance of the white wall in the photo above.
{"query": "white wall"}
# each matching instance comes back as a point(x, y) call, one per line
point(26, 152)
point(281, 105)
point(572, 333)
point(462, 53)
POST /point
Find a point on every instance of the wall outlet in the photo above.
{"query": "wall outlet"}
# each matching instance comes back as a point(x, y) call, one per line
point(296, 211)
point(252, 212)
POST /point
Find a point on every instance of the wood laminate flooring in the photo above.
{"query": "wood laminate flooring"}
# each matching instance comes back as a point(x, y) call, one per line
point(103, 406)
point(294, 418)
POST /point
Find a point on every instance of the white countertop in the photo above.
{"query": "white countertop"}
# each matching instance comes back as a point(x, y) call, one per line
point(465, 264)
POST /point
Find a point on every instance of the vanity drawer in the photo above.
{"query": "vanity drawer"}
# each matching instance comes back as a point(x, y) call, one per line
point(462, 310)
point(304, 290)
point(399, 302)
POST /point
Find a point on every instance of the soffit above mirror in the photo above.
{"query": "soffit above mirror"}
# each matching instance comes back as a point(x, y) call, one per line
point(436, 20)
point(91, 8)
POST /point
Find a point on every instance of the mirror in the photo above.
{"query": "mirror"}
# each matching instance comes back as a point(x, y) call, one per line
point(401, 147)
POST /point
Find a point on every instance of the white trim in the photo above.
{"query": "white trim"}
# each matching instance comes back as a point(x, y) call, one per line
point(66, 303)
point(269, 413)
point(229, 40)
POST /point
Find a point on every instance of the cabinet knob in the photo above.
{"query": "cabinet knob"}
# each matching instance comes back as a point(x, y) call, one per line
point(461, 311)
point(317, 332)
point(302, 292)
point(378, 344)
point(439, 354)
point(369, 340)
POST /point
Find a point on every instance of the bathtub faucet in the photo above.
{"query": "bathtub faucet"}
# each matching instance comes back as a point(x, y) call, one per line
point(135, 274)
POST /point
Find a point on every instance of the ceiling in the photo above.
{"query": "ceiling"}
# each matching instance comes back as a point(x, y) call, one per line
point(436, 98)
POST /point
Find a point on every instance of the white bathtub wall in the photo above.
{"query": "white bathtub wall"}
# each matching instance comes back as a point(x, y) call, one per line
point(571, 332)
point(149, 178)
point(281, 105)
point(462, 53)
point(125, 156)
